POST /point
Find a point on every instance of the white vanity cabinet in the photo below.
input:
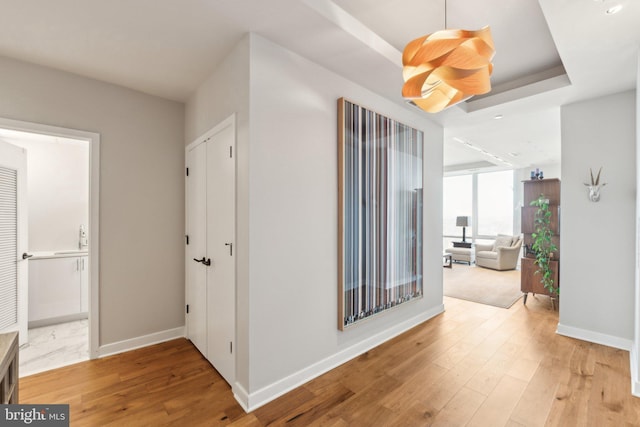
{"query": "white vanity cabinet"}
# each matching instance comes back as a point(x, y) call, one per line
point(84, 284)
point(58, 289)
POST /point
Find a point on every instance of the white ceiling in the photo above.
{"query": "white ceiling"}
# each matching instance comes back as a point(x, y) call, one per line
point(506, 18)
point(548, 53)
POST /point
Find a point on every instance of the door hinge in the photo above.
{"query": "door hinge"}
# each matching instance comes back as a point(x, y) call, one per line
point(187, 308)
point(230, 151)
point(186, 238)
point(187, 171)
point(231, 347)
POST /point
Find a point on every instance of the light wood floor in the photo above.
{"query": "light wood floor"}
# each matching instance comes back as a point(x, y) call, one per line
point(472, 365)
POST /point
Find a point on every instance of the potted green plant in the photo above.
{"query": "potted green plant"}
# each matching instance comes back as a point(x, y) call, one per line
point(542, 245)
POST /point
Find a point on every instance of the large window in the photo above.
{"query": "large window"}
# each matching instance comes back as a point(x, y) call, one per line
point(485, 197)
point(495, 203)
point(457, 200)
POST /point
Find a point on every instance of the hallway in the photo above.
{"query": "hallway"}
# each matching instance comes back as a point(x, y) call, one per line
point(472, 365)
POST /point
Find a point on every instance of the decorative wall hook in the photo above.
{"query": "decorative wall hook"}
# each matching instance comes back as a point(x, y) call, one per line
point(594, 187)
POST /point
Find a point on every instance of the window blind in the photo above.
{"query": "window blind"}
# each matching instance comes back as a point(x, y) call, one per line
point(8, 247)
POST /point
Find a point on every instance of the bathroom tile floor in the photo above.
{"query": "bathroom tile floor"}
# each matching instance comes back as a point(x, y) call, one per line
point(54, 346)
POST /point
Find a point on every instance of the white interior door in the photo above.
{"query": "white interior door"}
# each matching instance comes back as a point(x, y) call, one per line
point(13, 241)
point(221, 297)
point(196, 292)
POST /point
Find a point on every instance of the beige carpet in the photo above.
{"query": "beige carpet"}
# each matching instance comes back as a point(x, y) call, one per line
point(482, 285)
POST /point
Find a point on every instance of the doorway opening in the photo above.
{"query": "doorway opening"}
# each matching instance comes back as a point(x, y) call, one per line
point(479, 214)
point(62, 251)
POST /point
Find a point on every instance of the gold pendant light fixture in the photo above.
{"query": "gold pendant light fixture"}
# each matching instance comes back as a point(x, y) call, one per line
point(447, 67)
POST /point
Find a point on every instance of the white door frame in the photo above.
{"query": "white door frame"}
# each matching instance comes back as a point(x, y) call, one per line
point(94, 213)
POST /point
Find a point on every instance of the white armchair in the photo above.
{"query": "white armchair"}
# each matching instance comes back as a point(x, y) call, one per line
point(503, 254)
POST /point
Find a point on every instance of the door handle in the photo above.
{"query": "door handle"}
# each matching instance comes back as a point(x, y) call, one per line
point(26, 255)
point(230, 248)
point(205, 261)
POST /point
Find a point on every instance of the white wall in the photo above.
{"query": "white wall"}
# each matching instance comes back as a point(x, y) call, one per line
point(293, 200)
point(226, 92)
point(634, 357)
point(598, 240)
point(58, 192)
point(141, 194)
point(287, 188)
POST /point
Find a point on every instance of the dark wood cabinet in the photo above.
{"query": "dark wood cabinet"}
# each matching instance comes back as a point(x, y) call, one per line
point(550, 188)
point(530, 280)
point(529, 216)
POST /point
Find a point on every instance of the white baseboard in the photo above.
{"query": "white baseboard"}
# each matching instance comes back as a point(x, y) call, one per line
point(252, 401)
point(633, 360)
point(241, 395)
point(56, 320)
point(595, 337)
point(139, 342)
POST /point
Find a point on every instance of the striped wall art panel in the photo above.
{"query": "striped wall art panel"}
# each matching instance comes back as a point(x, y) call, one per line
point(380, 213)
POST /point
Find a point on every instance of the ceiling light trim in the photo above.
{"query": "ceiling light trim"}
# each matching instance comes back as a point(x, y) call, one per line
point(613, 10)
point(519, 93)
point(469, 144)
point(357, 29)
point(466, 168)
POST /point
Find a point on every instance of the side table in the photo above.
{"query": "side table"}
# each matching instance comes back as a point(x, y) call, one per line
point(9, 368)
point(462, 245)
point(448, 260)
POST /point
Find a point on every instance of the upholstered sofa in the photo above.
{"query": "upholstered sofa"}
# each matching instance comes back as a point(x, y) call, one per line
point(502, 254)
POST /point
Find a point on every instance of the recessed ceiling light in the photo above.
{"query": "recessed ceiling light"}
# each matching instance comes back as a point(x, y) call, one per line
point(498, 116)
point(462, 141)
point(512, 154)
point(482, 150)
point(613, 10)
